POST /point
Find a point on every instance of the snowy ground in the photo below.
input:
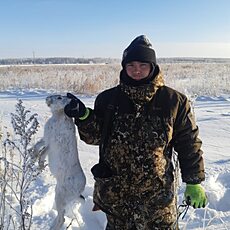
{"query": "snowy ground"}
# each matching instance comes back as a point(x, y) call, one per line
point(213, 118)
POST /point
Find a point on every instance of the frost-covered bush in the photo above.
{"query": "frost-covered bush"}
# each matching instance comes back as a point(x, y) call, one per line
point(18, 171)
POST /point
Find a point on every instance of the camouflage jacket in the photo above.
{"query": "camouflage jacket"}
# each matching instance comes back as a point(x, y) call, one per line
point(149, 121)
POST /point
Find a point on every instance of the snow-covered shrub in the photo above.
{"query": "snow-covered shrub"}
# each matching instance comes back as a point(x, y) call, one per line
point(18, 171)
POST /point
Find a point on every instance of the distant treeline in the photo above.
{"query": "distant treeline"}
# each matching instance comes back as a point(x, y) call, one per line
point(67, 60)
point(193, 60)
point(57, 60)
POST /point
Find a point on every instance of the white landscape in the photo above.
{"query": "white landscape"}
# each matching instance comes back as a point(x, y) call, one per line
point(213, 118)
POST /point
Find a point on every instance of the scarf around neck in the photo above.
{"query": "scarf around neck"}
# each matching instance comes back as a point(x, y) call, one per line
point(143, 93)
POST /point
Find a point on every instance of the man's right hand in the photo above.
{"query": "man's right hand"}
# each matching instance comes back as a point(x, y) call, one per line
point(75, 108)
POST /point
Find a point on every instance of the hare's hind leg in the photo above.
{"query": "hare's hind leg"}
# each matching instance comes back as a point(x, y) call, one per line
point(60, 206)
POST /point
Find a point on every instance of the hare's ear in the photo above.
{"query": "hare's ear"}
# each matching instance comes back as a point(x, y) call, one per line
point(71, 96)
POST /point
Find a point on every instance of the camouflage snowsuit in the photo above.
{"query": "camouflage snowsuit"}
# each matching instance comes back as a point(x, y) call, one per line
point(149, 120)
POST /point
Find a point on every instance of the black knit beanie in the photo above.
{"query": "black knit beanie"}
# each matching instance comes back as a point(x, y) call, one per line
point(139, 50)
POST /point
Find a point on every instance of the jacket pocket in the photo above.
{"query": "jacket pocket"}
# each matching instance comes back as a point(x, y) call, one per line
point(109, 194)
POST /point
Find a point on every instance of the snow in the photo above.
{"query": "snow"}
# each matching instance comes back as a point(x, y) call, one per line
point(213, 119)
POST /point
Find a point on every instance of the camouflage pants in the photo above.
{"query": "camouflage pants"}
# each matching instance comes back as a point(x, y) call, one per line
point(139, 224)
point(131, 207)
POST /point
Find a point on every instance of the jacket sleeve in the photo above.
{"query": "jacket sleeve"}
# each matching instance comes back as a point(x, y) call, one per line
point(90, 128)
point(187, 144)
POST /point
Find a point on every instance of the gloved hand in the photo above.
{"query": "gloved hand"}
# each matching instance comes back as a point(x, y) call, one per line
point(195, 195)
point(76, 108)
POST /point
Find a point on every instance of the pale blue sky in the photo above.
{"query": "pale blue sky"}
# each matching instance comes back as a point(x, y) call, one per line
point(104, 28)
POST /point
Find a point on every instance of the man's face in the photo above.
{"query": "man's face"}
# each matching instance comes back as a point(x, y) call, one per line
point(138, 70)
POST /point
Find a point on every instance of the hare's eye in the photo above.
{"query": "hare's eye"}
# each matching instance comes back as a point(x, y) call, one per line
point(59, 98)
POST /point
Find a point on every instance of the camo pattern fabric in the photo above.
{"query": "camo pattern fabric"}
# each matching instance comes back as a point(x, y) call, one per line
point(145, 222)
point(142, 192)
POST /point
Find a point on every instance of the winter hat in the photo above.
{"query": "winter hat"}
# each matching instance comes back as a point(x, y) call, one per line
point(139, 50)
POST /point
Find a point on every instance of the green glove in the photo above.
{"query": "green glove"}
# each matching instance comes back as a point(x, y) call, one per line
point(195, 195)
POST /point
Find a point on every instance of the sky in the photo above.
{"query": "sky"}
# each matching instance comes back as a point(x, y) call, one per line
point(104, 28)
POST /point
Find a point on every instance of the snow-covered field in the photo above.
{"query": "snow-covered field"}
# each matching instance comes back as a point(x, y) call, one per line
point(193, 78)
point(213, 118)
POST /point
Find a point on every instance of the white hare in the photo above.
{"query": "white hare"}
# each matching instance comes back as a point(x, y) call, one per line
point(60, 144)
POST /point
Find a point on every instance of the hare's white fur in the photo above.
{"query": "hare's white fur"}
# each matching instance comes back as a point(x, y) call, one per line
point(60, 144)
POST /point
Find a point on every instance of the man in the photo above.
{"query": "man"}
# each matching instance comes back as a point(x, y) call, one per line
point(134, 180)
